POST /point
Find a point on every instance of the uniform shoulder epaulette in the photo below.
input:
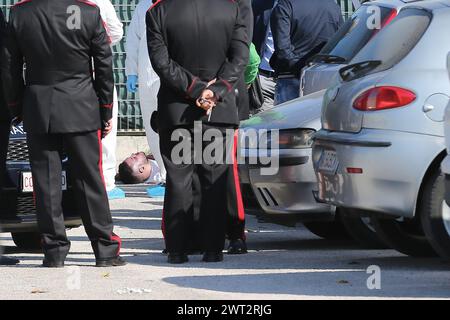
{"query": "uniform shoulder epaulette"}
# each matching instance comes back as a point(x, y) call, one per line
point(21, 3)
point(155, 4)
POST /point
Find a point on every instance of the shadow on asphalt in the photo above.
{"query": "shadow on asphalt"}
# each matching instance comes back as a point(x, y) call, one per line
point(317, 283)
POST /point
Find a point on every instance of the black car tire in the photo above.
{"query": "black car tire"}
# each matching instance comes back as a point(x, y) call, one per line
point(27, 240)
point(405, 236)
point(433, 210)
point(330, 230)
point(361, 230)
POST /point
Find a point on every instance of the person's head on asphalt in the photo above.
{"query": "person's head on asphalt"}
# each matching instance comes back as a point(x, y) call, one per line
point(135, 169)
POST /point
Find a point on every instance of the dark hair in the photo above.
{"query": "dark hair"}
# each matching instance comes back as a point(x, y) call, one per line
point(126, 174)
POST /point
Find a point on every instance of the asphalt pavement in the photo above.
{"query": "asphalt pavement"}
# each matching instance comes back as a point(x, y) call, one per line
point(282, 263)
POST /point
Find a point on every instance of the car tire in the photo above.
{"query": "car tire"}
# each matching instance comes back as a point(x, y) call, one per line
point(435, 213)
point(405, 236)
point(27, 240)
point(361, 230)
point(330, 230)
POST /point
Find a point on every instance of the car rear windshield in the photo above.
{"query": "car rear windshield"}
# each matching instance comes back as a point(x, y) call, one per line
point(358, 30)
point(396, 40)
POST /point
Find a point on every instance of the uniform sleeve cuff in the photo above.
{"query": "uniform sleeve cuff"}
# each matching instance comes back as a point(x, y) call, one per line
point(196, 88)
point(106, 111)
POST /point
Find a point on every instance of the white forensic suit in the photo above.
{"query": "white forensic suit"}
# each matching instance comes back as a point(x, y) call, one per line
point(138, 63)
point(114, 28)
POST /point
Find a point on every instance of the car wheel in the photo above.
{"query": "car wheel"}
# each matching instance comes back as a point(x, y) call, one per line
point(405, 236)
point(27, 240)
point(361, 230)
point(435, 214)
point(332, 230)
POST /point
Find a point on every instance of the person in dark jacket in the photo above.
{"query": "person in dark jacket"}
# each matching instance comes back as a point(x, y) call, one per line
point(63, 103)
point(5, 121)
point(300, 29)
point(200, 57)
point(263, 40)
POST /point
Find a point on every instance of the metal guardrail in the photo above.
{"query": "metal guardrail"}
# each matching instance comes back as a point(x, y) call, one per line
point(130, 118)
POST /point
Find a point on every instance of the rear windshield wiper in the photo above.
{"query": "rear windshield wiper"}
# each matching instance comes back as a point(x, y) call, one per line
point(327, 58)
point(355, 70)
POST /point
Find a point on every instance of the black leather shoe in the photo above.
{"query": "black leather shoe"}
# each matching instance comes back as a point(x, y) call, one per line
point(114, 262)
point(6, 261)
point(213, 257)
point(237, 247)
point(52, 264)
point(177, 258)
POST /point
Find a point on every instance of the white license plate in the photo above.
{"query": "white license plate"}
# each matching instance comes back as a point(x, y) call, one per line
point(27, 181)
point(328, 162)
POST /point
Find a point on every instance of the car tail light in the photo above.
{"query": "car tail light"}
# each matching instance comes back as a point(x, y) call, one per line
point(381, 98)
point(355, 170)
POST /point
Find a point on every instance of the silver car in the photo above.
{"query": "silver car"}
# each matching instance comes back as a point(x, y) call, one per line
point(288, 195)
point(348, 41)
point(381, 145)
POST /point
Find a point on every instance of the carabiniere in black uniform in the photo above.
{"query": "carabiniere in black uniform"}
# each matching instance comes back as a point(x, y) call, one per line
point(62, 104)
point(5, 118)
point(192, 42)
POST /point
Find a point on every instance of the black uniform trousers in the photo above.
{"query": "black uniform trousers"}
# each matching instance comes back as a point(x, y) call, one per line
point(4, 141)
point(235, 225)
point(85, 159)
point(235, 205)
point(179, 197)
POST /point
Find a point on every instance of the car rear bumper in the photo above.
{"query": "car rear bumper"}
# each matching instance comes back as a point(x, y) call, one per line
point(17, 208)
point(391, 166)
point(290, 189)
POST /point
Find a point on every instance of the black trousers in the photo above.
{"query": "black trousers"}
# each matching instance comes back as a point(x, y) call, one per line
point(4, 141)
point(235, 225)
point(180, 199)
point(85, 159)
point(235, 206)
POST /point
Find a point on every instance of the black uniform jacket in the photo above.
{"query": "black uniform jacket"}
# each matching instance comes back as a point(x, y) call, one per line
point(4, 113)
point(191, 42)
point(246, 13)
point(60, 41)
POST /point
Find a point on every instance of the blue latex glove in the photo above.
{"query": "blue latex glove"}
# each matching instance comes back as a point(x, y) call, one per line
point(132, 83)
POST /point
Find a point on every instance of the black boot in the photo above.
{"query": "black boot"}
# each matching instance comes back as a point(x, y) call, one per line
point(177, 258)
point(5, 261)
point(52, 264)
point(237, 246)
point(213, 257)
point(114, 262)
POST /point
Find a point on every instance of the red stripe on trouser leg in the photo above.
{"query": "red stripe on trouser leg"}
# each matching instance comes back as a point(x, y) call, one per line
point(240, 204)
point(100, 160)
point(115, 237)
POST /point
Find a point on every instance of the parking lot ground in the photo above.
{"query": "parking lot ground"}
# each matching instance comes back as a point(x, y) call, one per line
point(283, 263)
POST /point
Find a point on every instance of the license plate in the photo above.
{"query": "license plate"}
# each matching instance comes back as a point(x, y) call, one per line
point(27, 181)
point(328, 162)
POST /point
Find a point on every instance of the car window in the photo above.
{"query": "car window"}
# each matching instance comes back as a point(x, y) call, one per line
point(396, 40)
point(357, 31)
